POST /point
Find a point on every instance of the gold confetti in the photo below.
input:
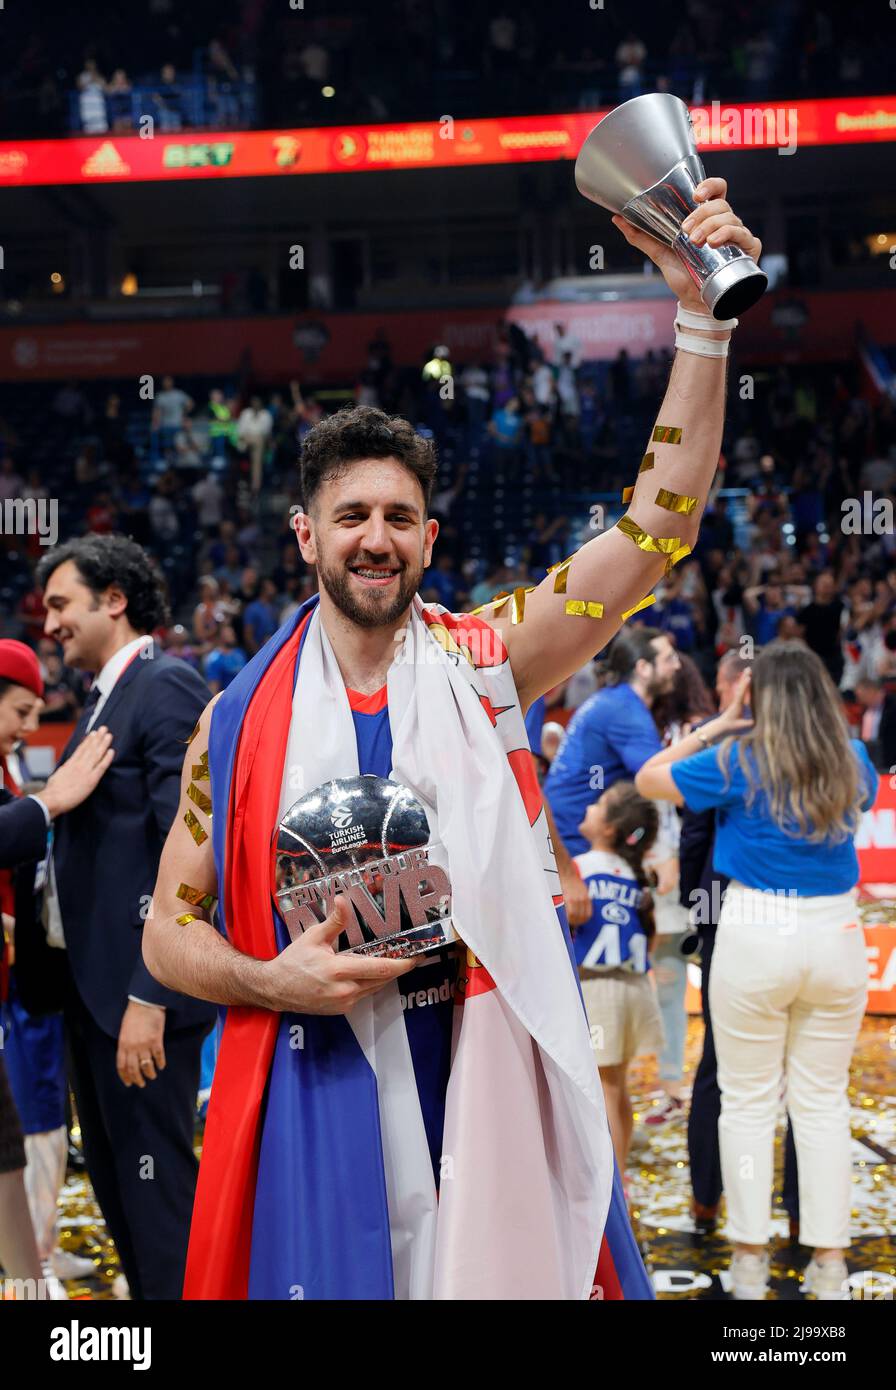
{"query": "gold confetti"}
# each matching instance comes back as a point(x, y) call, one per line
point(497, 602)
point(200, 772)
point(677, 555)
point(518, 609)
point(185, 919)
point(202, 801)
point(675, 501)
point(579, 608)
point(660, 545)
point(560, 572)
point(193, 734)
point(666, 434)
point(646, 463)
point(645, 603)
point(195, 828)
point(196, 897)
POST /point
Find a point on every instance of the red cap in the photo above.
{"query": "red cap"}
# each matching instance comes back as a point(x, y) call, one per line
point(19, 664)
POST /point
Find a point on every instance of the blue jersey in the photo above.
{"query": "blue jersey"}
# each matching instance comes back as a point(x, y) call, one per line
point(613, 938)
point(609, 738)
point(427, 993)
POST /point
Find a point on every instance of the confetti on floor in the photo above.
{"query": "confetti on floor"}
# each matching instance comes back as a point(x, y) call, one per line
point(683, 1264)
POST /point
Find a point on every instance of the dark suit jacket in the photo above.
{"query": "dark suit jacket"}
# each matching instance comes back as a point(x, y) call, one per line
point(107, 850)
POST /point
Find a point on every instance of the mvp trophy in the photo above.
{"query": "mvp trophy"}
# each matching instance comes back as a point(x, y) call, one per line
point(368, 839)
point(641, 162)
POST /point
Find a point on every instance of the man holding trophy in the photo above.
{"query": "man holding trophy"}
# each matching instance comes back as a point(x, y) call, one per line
point(406, 1103)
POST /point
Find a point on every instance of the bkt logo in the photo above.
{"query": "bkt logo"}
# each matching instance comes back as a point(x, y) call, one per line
point(341, 817)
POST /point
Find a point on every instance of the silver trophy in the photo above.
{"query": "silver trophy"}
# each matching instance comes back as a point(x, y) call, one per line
point(367, 838)
point(641, 162)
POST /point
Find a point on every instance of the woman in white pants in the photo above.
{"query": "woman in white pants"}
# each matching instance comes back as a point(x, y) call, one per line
point(789, 973)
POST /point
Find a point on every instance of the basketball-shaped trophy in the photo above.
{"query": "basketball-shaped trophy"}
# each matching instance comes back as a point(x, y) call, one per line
point(367, 838)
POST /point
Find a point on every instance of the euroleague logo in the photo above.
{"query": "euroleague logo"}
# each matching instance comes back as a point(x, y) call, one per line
point(341, 817)
point(614, 912)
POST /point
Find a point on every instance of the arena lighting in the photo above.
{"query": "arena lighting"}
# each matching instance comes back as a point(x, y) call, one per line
point(419, 145)
point(129, 283)
point(328, 91)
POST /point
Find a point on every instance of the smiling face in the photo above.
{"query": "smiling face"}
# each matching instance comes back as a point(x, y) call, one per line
point(17, 708)
point(81, 622)
point(368, 535)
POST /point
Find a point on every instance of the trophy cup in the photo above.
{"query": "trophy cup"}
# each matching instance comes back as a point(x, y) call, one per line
point(367, 838)
point(641, 162)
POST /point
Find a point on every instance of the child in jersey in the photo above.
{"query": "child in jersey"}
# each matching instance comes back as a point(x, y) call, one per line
point(612, 947)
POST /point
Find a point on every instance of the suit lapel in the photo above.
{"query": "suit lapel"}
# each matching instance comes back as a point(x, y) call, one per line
point(129, 674)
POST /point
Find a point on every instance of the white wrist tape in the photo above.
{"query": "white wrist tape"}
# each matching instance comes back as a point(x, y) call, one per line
point(703, 347)
point(688, 319)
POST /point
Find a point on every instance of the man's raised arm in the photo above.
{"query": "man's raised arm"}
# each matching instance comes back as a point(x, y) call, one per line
point(573, 613)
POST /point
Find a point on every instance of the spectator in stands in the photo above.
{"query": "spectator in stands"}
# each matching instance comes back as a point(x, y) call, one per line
point(32, 613)
point(207, 616)
point(473, 380)
point(620, 379)
point(506, 430)
point(566, 345)
point(63, 692)
point(765, 605)
point(102, 514)
point(568, 408)
point(178, 644)
point(168, 98)
point(11, 481)
point(92, 99)
point(224, 661)
point(208, 496)
point(821, 621)
point(253, 435)
point(189, 452)
point(631, 55)
point(169, 411)
point(260, 618)
point(118, 101)
point(444, 582)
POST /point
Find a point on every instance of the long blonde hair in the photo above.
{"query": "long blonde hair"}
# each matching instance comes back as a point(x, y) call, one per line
point(800, 747)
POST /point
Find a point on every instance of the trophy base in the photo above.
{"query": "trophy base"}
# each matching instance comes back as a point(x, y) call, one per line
point(418, 941)
point(734, 288)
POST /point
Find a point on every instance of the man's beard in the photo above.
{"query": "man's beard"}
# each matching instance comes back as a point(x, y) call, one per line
point(370, 610)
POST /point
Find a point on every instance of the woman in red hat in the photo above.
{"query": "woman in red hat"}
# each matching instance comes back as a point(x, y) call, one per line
point(23, 838)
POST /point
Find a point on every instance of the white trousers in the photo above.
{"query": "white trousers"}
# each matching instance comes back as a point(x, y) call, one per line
point(787, 993)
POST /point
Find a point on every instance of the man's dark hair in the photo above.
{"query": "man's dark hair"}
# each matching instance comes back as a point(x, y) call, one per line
point(102, 561)
point(628, 648)
point(362, 432)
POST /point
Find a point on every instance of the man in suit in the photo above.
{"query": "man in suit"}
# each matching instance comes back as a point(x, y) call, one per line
point(135, 1046)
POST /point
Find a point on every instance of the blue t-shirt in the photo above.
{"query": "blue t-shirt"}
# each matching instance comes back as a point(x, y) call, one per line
point(613, 937)
point(768, 620)
point(609, 738)
point(535, 724)
point(224, 666)
point(262, 618)
point(751, 847)
point(427, 993)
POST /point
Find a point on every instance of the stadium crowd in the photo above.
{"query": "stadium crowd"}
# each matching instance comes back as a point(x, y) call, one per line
point(206, 479)
point(243, 64)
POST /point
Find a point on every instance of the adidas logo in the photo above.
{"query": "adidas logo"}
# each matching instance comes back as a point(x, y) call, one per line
point(105, 162)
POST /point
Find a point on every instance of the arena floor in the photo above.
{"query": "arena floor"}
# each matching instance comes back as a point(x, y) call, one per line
point(684, 1265)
